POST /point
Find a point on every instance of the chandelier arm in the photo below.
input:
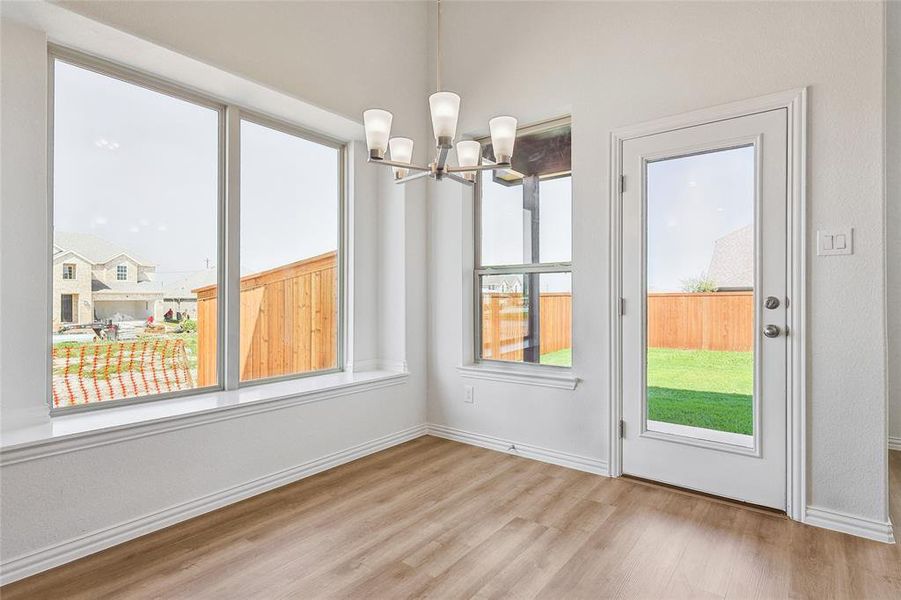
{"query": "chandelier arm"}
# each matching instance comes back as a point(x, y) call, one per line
point(491, 167)
point(399, 165)
point(412, 177)
point(458, 178)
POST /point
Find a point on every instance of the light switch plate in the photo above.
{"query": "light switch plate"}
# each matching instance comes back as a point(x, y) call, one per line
point(468, 394)
point(831, 242)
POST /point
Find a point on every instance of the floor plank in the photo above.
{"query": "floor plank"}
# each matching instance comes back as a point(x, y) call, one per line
point(437, 519)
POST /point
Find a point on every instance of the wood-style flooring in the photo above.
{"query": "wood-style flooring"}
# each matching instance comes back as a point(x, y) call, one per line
point(437, 519)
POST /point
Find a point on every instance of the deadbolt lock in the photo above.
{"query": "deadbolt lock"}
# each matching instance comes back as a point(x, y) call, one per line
point(771, 302)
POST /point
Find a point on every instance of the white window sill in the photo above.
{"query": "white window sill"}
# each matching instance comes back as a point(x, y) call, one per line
point(71, 432)
point(554, 377)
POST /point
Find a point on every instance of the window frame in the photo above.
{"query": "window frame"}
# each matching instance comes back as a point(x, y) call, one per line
point(66, 269)
point(229, 116)
point(122, 272)
point(509, 269)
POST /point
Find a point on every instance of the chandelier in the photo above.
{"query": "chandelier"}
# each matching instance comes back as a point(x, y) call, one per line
point(445, 110)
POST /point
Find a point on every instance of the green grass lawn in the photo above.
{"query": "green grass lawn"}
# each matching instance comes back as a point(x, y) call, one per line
point(701, 388)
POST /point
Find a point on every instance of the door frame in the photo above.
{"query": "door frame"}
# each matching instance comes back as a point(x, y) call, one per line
point(795, 103)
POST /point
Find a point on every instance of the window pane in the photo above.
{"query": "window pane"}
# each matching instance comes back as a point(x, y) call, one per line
point(506, 222)
point(555, 226)
point(136, 176)
point(502, 222)
point(525, 212)
point(289, 254)
point(700, 301)
point(509, 310)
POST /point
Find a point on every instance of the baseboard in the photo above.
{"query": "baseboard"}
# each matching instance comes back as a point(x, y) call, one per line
point(845, 523)
point(894, 443)
point(59, 554)
point(563, 459)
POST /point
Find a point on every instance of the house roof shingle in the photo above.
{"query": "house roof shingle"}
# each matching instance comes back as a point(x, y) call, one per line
point(95, 249)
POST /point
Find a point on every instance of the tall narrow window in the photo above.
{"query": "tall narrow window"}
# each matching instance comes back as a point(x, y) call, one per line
point(135, 207)
point(290, 220)
point(524, 251)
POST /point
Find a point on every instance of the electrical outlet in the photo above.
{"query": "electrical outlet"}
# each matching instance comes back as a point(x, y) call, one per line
point(467, 394)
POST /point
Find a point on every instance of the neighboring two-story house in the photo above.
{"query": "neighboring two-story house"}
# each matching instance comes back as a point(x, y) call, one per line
point(94, 279)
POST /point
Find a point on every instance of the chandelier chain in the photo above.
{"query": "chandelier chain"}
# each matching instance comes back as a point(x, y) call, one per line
point(438, 48)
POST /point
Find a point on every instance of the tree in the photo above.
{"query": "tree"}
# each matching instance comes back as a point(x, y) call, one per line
point(699, 284)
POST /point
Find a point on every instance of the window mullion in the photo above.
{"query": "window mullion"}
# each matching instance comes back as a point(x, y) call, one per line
point(230, 276)
point(563, 267)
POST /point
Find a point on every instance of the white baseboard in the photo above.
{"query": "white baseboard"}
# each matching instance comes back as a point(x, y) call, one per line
point(845, 523)
point(58, 554)
point(563, 459)
point(894, 443)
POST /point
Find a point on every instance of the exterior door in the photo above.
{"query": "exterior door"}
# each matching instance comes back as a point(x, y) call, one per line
point(704, 287)
point(66, 308)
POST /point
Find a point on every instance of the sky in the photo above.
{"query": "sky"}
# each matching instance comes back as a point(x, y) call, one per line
point(693, 201)
point(140, 169)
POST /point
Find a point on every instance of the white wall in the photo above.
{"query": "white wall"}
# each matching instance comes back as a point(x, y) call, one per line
point(893, 205)
point(615, 64)
point(23, 220)
point(307, 50)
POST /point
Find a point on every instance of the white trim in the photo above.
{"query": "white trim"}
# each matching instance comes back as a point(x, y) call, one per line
point(379, 364)
point(707, 438)
point(95, 541)
point(257, 399)
point(851, 524)
point(522, 374)
point(894, 443)
point(795, 102)
point(587, 464)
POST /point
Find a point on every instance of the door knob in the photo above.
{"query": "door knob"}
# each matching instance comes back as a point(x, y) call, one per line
point(771, 331)
point(771, 302)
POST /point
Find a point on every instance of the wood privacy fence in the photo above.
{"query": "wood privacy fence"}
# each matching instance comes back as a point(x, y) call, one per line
point(505, 324)
point(692, 321)
point(289, 321)
point(702, 321)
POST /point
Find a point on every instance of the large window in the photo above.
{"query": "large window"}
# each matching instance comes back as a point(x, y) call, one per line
point(140, 249)
point(524, 252)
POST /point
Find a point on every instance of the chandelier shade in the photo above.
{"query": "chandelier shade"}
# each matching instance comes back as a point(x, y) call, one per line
point(377, 123)
point(401, 149)
point(445, 108)
point(503, 137)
